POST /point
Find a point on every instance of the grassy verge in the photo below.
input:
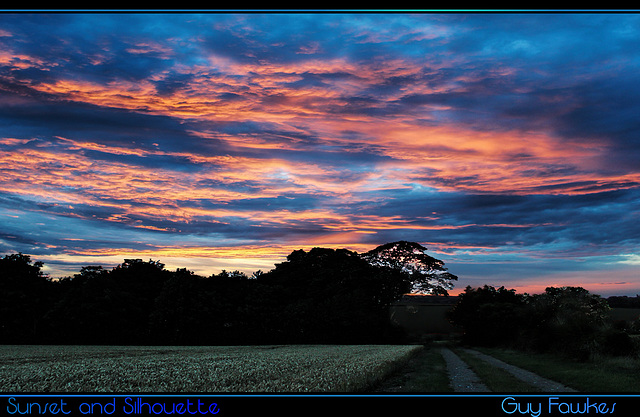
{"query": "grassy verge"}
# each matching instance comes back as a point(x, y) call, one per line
point(496, 379)
point(600, 375)
point(425, 372)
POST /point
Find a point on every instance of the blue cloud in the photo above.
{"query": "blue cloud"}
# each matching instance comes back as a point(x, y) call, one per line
point(569, 78)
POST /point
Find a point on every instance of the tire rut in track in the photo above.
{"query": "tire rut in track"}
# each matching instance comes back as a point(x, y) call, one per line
point(461, 377)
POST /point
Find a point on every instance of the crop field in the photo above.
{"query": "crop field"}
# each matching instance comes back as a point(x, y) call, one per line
point(125, 369)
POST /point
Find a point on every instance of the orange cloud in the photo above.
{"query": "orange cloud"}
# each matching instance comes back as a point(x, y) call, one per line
point(442, 157)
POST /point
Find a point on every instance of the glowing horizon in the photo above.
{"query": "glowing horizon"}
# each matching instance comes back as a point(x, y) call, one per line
point(211, 139)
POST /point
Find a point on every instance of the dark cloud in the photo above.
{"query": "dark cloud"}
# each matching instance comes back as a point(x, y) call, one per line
point(32, 114)
point(606, 110)
point(586, 221)
point(276, 129)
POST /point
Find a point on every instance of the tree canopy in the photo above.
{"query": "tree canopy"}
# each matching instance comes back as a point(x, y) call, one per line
point(316, 296)
point(566, 320)
point(427, 274)
point(24, 298)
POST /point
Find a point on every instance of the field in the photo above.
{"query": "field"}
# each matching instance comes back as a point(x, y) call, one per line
point(295, 368)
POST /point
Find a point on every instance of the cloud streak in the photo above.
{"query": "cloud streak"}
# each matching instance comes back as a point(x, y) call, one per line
point(197, 136)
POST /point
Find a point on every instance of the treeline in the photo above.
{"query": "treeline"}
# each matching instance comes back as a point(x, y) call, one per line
point(565, 320)
point(320, 296)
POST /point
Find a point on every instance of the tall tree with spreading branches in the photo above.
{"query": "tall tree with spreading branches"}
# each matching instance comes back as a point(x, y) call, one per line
point(428, 275)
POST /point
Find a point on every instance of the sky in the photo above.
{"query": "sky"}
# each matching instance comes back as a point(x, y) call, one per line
point(508, 144)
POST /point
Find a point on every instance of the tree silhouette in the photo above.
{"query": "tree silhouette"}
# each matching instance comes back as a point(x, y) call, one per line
point(91, 308)
point(334, 295)
point(319, 296)
point(566, 319)
point(24, 298)
point(428, 275)
point(489, 316)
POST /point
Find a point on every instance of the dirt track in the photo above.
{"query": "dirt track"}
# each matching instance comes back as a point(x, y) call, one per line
point(463, 379)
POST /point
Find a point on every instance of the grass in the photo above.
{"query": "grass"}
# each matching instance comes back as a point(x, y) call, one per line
point(310, 368)
point(425, 372)
point(431, 374)
point(603, 374)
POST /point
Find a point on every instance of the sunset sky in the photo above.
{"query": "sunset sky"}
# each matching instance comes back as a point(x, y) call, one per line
point(507, 144)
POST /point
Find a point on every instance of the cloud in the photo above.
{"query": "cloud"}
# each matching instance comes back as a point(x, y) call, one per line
point(479, 134)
